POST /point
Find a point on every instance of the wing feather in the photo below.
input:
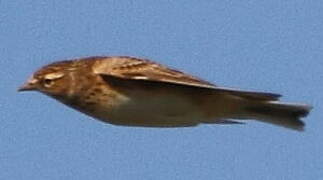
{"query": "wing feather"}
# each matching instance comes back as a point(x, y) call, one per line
point(146, 70)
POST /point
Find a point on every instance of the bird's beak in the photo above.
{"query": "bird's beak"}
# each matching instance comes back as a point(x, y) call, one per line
point(28, 86)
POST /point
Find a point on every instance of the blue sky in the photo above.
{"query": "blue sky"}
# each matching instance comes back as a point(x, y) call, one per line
point(273, 46)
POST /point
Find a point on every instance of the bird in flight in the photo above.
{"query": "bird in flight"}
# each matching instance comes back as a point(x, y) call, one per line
point(130, 91)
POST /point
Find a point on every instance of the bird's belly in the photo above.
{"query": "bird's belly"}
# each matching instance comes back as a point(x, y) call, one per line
point(153, 111)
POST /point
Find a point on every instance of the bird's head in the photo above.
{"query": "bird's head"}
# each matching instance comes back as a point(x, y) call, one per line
point(53, 80)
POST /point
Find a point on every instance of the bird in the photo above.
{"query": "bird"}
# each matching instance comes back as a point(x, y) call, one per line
point(137, 92)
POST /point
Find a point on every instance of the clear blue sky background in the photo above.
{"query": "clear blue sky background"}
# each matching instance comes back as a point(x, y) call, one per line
point(273, 46)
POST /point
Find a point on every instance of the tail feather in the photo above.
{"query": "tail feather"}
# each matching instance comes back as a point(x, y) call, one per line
point(282, 114)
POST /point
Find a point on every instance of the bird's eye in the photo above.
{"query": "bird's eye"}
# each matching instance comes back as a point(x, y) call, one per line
point(48, 82)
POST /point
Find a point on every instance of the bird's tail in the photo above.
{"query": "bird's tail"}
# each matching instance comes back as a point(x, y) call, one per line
point(278, 113)
point(264, 107)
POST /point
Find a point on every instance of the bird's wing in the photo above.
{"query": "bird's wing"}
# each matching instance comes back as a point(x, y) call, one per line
point(141, 69)
point(146, 70)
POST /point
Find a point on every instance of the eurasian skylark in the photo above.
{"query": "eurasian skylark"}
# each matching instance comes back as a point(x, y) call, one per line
point(136, 92)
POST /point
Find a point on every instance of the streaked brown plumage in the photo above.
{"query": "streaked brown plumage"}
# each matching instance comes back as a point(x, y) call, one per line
point(135, 92)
